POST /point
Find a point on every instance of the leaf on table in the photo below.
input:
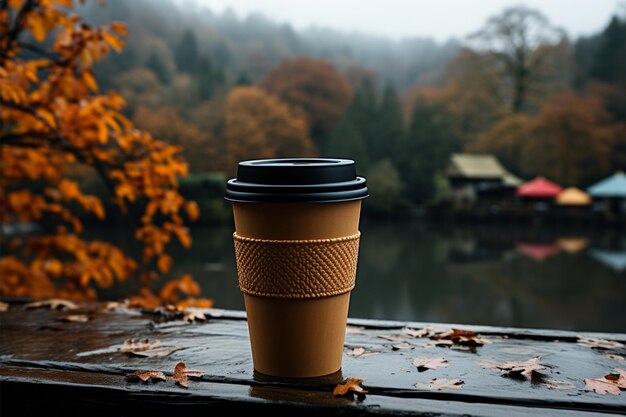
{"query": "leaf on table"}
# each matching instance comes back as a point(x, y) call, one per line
point(115, 305)
point(439, 343)
point(617, 358)
point(192, 316)
point(424, 364)
point(3, 307)
point(195, 303)
point(462, 337)
point(441, 384)
point(145, 376)
point(360, 352)
point(424, 332)
point(601, 386)
point(402, 346)
point(598, 343)
point(138, 345)
point(182, 374)
point(524, 369)
point(558, 384)
point(355, 330)
point(75, 318)
point(393, 337)
point(53, 304)
point(351, 386)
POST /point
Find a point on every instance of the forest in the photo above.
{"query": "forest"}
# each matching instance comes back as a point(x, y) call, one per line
point(228, 88)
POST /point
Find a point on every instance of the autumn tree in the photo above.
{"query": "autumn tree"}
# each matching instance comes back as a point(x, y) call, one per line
point(505, 140)
point(570, 140)
point(520, 44)
point(53, 117)
point(315, 87)
point(258, 125)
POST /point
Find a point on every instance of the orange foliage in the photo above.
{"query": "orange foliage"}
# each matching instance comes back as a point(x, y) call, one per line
point(53, 118)
point(313, 86)
point(261, 126)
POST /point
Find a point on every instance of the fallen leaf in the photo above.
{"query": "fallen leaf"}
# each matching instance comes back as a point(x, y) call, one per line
point(392, 337)
point(524, 369)
point(424, 332)
point(617, 358)
point(598, 343)
point(558, 384)
point(195, 303)
point(352, 385)
point(416, 333)
point(355, 330)
point(3, 307)
point(360, 352)
point(424, 364)
point(601, 386)
point(440, 384)
point(192, 316)
point(440, 343)
point(402, 346)
point(145, 376)
point(462, 337)
point(182, 375)
point(115, 305)
point(138, 345)
point(75, 318)
point(53, 304)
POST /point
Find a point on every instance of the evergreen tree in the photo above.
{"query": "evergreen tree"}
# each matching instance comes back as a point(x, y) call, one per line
point(363, 112)
point(186, 53)
point(156, 64)
point(390, 129)
point(345, 141)
point(425, 150)
point(205, 79)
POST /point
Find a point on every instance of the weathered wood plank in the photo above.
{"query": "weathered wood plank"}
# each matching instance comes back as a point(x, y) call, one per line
point(75, 360)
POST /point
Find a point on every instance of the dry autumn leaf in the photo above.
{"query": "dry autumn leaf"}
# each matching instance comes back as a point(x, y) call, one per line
point(441, 384)
point(601, 386)
point(599, 343)
point(115, 305)
point(75, 318)
point(3, 307)
point(424, 364)
point(392, 337)
point(53, 304)
point(138, 345)
point(145, 376)
point(617, 358)
point(182, 375)
point(360, 352)
point(402, 346)
point(558, 384)
point(192, 316)
point(439, 343)
point(462, 337)
point(524, 369)
point(352, 385)
point(416, 333)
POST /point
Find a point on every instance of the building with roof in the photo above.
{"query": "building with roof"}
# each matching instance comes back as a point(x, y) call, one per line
point(474, 177)
point(609, 195)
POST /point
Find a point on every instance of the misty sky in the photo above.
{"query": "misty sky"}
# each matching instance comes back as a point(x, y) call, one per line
point(439, 19)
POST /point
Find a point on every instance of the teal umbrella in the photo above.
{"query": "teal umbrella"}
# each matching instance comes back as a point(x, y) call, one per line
point(613, 259)
point(611, 187)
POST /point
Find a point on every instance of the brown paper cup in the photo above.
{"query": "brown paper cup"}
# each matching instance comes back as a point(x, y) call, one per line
point(297, 337)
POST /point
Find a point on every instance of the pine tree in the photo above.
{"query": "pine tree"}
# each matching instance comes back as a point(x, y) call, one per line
point(186, 53)
point(156, 64)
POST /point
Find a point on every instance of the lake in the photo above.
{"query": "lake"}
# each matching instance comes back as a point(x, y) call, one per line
point(504, 275)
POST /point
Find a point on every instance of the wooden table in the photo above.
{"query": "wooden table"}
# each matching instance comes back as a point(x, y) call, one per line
point(52, 367)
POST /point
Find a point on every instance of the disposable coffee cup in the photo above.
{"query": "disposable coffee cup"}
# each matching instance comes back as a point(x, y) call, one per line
point(296, 245)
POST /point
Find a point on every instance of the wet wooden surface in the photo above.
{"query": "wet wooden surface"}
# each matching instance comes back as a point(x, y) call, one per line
point(51, 367)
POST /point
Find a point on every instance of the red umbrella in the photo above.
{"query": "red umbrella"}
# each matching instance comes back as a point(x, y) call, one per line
point(537, 251)
point(539, 188)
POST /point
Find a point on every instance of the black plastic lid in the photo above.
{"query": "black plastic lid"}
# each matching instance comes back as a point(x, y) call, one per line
point(313, 180)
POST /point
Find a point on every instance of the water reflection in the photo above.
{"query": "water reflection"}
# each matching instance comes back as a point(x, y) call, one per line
point(511, 276)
